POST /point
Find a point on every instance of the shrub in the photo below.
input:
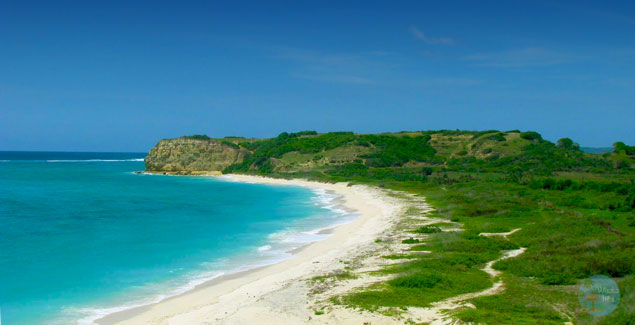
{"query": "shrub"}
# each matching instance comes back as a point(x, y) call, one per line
point(230, 144)
point(410, 241)
point(395, 151)
point(197, 137)
point(303, 133)
point(424, 280)
point(350, 170)
point(496, 137)
point(531, 135)
point(621, 147)
point(568, 144)
point(428, 230)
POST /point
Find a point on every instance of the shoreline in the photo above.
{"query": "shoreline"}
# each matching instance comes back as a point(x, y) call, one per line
point(219, 299)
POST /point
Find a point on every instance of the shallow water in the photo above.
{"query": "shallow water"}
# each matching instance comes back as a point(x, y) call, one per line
point(82, 235)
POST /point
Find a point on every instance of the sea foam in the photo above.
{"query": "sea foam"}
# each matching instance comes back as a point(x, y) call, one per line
point(279, 247)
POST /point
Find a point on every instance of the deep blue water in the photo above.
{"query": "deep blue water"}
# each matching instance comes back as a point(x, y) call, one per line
point(82, 235)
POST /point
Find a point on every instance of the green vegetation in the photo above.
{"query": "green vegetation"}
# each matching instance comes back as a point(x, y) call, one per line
point(410, 241)
point(264, 153)
point(621, 148)
point(394, 151)
point(414, 156)
point(230, 144)
point(425, 280)
point(576, 212)
point(197, 137)
point(570, 233)
point(428, 230)
point(530, 135)
point(341, 275)
point(568, 144)
point(522, 302)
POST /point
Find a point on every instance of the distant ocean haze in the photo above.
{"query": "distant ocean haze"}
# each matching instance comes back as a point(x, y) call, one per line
point(82, 235)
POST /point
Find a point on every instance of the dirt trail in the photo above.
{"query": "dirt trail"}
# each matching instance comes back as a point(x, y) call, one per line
point(504, 234)
point(436, 314)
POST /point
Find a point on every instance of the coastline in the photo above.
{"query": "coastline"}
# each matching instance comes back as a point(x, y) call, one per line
point(253, 291)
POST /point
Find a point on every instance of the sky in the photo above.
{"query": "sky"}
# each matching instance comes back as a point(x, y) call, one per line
point(121, 75)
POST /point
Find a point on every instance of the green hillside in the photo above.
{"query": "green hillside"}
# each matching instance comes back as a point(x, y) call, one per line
point(573, 212)
point(415, 154)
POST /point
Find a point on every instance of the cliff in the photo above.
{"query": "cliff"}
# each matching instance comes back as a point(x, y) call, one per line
point(193, 156)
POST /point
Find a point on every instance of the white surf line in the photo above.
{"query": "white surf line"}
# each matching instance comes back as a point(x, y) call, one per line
point(504, 234)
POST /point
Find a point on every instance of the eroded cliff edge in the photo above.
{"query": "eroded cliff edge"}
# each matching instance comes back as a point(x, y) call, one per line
point(193, 156)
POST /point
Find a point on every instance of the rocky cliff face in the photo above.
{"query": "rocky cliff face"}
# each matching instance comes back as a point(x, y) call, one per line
point(192, 156)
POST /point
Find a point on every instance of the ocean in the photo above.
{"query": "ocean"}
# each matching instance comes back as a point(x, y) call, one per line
point(82, 235)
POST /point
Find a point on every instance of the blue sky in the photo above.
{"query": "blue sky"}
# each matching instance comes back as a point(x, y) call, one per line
point(119, 76)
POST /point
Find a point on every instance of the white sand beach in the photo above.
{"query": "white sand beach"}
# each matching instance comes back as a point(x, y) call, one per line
point(279, 294)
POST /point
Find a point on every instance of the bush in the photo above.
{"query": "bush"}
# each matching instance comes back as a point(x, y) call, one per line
point(304, 133)
point(568, 144)
point(531, 135)
point(496, 137)
point(428, 230)
point(621, 147)
point(393, 151)
point(197, 137)
point(230, 144)
point(350, 170)
point(424, 280)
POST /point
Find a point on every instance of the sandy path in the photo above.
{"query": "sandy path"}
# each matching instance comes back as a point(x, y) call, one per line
point(436, 314)
point(503, 234)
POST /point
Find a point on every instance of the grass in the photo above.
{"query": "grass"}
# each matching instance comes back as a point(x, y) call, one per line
point(566, 239)
point(525, 302)
point(437, 280)
point(569, 235)
point(339, 275)
point(522, 302)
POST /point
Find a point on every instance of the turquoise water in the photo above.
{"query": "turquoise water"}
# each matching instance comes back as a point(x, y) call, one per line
point(81, 235)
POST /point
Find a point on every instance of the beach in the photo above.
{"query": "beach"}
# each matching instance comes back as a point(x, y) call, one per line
point(279, 293)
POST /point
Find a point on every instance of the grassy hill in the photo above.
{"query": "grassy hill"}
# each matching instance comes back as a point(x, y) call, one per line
point(576, 212)
point(417, 153)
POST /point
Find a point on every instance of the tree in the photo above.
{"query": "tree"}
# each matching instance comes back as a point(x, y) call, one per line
point(568, 144)
point(531, 135)
point(621, 147)
point(197, 137)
